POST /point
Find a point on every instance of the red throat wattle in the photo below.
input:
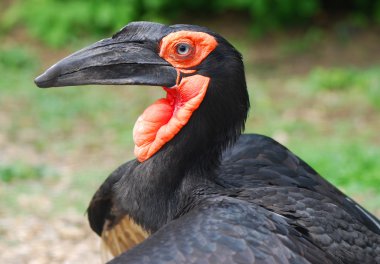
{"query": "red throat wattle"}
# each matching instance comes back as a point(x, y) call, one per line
point(161, 121)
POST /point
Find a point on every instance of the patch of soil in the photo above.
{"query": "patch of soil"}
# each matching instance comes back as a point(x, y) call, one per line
point(36, 240)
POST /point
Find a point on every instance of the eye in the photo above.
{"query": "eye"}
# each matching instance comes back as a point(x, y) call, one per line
point(183, 48)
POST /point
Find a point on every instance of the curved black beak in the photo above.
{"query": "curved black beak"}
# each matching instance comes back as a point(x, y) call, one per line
point(111, 61)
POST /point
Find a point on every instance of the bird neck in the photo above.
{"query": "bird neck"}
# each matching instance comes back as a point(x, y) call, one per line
point(155, 190)
point(152, 193)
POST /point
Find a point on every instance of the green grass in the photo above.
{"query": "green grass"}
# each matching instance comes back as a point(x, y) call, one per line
point(20, 172)
point(330, 118)
point(341, 79)
point(50, 196)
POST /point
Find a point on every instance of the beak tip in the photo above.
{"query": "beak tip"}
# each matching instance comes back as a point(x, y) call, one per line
point(40, 81)
point(49, 78)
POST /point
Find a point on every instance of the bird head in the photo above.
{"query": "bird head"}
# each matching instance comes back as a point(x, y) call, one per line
point(202, 74)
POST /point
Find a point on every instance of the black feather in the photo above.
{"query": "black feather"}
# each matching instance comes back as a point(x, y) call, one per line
point(209, 199)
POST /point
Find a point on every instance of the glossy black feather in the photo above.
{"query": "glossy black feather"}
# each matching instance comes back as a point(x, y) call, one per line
point(259, 161)
point(226, 230)
point(272, 182)
point(102, 205)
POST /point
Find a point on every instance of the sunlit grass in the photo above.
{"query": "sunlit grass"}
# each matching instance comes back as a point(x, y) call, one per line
point(365, 81)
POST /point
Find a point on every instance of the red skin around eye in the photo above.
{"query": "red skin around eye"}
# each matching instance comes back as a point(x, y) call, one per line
point(202, 44)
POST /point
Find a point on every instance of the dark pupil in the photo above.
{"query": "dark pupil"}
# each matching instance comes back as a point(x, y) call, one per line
point(183, 48)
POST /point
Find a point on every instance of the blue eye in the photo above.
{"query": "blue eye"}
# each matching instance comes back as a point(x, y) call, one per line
point(183, 48)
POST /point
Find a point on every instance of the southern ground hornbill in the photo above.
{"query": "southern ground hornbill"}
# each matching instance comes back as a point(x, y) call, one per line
point(199, 191)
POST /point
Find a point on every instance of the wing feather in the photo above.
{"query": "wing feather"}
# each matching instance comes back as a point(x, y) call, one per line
point(226, 230)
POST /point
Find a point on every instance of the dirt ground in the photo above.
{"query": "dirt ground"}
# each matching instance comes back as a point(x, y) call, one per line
point(35, 240)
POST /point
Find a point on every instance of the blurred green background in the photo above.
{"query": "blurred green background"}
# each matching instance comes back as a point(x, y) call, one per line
point(313, 71)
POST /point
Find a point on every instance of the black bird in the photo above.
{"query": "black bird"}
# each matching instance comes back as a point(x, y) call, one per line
point(199, 191)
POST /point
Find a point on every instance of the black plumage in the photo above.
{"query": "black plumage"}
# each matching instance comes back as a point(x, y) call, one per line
point(210, 195)
point(307, 218)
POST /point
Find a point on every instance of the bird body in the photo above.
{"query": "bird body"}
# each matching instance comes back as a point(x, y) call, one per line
point(199, 191)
